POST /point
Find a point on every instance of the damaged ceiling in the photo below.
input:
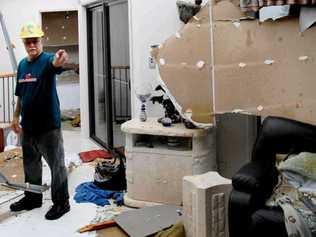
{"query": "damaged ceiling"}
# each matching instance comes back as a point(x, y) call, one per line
point(231, 63)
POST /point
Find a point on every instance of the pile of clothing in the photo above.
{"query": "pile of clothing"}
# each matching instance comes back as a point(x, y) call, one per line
point(296, 194)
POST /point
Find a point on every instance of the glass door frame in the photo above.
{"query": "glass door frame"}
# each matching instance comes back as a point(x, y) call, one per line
point(106, 49)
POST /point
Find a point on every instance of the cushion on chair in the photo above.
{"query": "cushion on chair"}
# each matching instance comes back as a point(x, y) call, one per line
point(256, 177)
point(268, 222)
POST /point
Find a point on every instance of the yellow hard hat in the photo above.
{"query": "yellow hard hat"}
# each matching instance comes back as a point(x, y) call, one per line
point(31, 30)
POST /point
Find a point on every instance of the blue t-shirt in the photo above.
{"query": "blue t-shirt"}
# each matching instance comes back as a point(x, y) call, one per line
point(36, 87)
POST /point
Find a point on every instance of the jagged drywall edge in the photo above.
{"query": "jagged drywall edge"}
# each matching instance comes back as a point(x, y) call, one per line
point(178, 106)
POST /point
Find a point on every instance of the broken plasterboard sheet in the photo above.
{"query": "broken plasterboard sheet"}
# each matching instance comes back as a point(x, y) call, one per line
point(189, 84)
point(184, 91)
point(284, 88)
point(242, 80)
point(148, 220)
point(183, 50)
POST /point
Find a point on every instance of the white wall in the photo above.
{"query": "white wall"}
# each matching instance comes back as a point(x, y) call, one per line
point(16, 13)
point(151, 22)
point(83, 56)
point(69, 94)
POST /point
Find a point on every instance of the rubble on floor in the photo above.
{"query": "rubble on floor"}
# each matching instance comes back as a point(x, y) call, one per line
point(11, 166)
point(70, 118)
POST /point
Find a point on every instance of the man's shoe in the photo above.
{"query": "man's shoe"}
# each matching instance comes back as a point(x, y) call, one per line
point(25, 204)
point(57, 210)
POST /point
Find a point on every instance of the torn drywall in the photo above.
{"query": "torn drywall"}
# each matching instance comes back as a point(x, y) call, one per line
point(259, 68)
point(278, 79)
point(185, 68)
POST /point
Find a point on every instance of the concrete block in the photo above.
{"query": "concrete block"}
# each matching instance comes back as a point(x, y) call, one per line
point(205, 201)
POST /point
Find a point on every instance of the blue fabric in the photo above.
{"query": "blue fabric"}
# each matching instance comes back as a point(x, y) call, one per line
point(89, 192)
point(36, 87)
point(119, 198)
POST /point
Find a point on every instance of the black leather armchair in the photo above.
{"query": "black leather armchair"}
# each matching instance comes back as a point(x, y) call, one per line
point(254, 182)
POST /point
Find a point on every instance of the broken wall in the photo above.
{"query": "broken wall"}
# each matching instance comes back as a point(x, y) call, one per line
point(185, 67)
point(259, 68)
point(267, 67)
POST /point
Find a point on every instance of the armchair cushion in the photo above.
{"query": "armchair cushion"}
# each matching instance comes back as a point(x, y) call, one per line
point(268, 221)
point(256, 177)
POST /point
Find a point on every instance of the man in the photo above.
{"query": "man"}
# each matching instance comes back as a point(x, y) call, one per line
point(38, 106)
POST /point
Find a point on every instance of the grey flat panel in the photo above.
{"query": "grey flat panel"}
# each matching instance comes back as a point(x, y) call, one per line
point(235, 136)
point(148, 220)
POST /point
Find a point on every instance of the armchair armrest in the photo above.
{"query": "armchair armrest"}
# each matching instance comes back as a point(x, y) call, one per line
point(257, 177)
point(241, 206)
point(252, 184)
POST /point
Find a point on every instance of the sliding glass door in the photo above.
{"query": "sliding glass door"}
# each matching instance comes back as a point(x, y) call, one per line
point(109, 71)
point(100, 95)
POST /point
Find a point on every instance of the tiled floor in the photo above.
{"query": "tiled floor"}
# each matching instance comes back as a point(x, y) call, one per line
point(33, 223)
point(74, 142)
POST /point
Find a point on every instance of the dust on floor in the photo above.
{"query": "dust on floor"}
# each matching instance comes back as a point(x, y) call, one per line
point(11, 166)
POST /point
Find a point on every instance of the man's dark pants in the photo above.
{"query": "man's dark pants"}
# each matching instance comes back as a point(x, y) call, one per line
point(50, 146)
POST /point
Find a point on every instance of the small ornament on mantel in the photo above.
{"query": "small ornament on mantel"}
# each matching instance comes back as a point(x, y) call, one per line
point(143, 92)
point(143, 115)
point(143, 98)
